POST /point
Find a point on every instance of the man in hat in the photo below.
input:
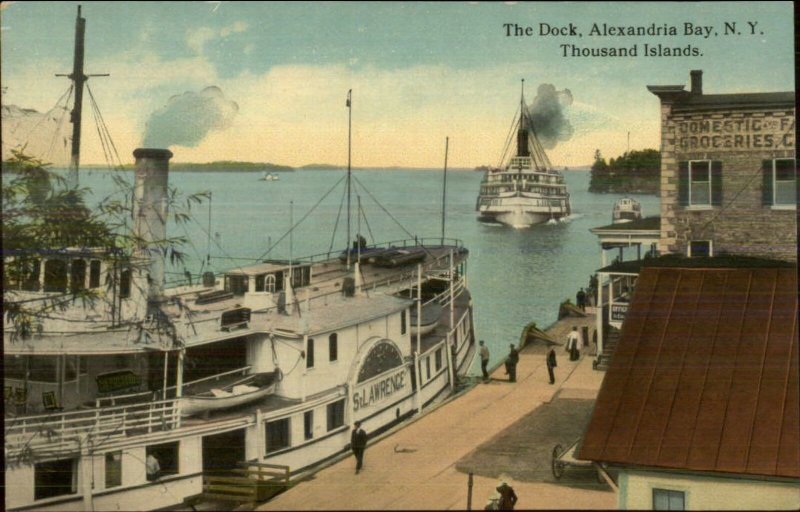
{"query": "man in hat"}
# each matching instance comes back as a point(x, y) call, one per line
point(511, 364)
point(508, 498)
point(358, 443)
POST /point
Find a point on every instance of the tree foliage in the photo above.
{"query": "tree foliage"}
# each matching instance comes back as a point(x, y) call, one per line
point(633, 172)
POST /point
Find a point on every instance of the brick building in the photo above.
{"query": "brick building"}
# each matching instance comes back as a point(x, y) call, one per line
point(728, 172)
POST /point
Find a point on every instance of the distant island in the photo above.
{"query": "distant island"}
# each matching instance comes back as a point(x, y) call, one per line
point(229, 165)
point(635, 172)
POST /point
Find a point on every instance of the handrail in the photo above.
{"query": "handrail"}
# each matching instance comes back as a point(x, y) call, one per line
point(216, 376)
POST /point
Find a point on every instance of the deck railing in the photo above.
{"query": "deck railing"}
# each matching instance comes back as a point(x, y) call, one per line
point(67, 431)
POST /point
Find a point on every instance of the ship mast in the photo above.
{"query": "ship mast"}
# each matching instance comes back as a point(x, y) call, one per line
point(78, 79)
point(349, 152)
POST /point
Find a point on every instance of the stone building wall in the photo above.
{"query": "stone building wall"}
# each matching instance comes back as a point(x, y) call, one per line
point(740, 138)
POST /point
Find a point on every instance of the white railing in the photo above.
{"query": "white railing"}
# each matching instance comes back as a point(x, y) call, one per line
point(244, 371)
point(68, 430)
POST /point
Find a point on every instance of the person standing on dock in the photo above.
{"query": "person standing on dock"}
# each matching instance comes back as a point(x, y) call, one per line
point(511, 364)
point(580, 299)
point(358, 442)
point(573, 341)
point(551, 363)
point(484, 353)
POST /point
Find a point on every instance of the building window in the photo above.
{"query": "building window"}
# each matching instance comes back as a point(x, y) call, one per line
point(335, 415)
point(780, 177)
point(125, 284)
point(664, 499)
point(113, 469)
point(700, 249)
point(700, 183)
point(438, 359)
point(310, 353)
point(308, 424)
point(94, 274)
point(55, 478)
point(77, 277)
point(333, 347)
point(166, 455)
point(278, 435)
point(55, 276)
point(403, 322)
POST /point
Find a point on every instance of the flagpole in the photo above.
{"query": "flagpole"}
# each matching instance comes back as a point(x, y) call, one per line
point(349, 156)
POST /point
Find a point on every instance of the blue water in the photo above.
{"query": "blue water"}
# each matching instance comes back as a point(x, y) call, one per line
point(515, 275)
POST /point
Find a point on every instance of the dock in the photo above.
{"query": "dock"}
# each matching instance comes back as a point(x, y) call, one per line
point(496, 430)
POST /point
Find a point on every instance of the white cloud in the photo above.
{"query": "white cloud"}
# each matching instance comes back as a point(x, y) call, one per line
point(197, 39)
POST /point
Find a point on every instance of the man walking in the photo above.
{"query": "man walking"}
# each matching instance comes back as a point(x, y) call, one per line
point(511, 364)
point(484, 353)
point(358, 442)
point(551, 363)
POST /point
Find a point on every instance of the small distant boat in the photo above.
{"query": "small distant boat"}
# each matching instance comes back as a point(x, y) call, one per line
point(268, 176)
point(626, 210)
point(239, 392)
point(532, 334)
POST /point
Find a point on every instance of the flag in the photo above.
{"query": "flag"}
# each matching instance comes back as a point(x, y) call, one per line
point(348, 97)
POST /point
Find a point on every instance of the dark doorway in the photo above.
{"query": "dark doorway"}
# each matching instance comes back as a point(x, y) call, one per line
point(223, 451)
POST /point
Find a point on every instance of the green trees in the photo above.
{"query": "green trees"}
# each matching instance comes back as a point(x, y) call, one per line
point(633, 172)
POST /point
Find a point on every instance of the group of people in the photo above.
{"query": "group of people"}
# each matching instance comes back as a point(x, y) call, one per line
point(510, 363)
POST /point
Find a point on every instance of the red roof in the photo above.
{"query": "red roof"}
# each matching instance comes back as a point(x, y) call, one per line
point(705, 375)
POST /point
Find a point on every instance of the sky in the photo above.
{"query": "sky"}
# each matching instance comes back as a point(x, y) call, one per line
point(276, 75)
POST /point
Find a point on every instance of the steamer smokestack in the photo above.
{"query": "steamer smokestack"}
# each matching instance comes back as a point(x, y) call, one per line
point(150, 214)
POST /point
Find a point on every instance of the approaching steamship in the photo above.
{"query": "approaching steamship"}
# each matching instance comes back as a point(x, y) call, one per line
point(528, 190)
point(140, 399)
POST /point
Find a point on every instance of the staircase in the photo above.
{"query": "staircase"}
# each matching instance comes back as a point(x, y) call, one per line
point(252, 483)
point(609, 347)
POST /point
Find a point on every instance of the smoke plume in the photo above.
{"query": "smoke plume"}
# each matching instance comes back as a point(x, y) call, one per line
point(187, 118)
point(547, 115)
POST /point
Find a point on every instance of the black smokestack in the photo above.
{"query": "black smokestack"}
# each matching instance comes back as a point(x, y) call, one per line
point(547, 115)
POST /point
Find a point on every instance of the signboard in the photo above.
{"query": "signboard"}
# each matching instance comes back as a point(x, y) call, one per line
point(115, 382)
point(381, 389)
point(618, 312)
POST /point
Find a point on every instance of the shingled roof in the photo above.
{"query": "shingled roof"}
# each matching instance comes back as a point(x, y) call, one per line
point(705, 375)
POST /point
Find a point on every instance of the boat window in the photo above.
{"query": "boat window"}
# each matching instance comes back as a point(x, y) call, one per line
point(308, 424)
point(333, 347)
point(77, 276)
point(14, 367)
point(310, 353)
point(55, 478)
point(43, 368)
point(55, 276)
point(70, 368)
point(113, 469)
point(167, 456)
point(301, 276)
point(94, 274)
point(125, 284)
point(428, 367)
point(438, 360)
point(335, 415)
point(403, 322)
point(277, 435)
point(21, 274)
point(265, 283)
point(237, 285)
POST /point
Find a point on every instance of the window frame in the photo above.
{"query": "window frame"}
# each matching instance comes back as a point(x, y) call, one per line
point(174, 466)
point(308, 425)
point(45, 466)
point(310, 353)
point(333, 347)
point(774, 176)
point(710, 248)
point(118, 475)
point(285, 425)
point(668, 493)
point(334, 413)
point(691, 203)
